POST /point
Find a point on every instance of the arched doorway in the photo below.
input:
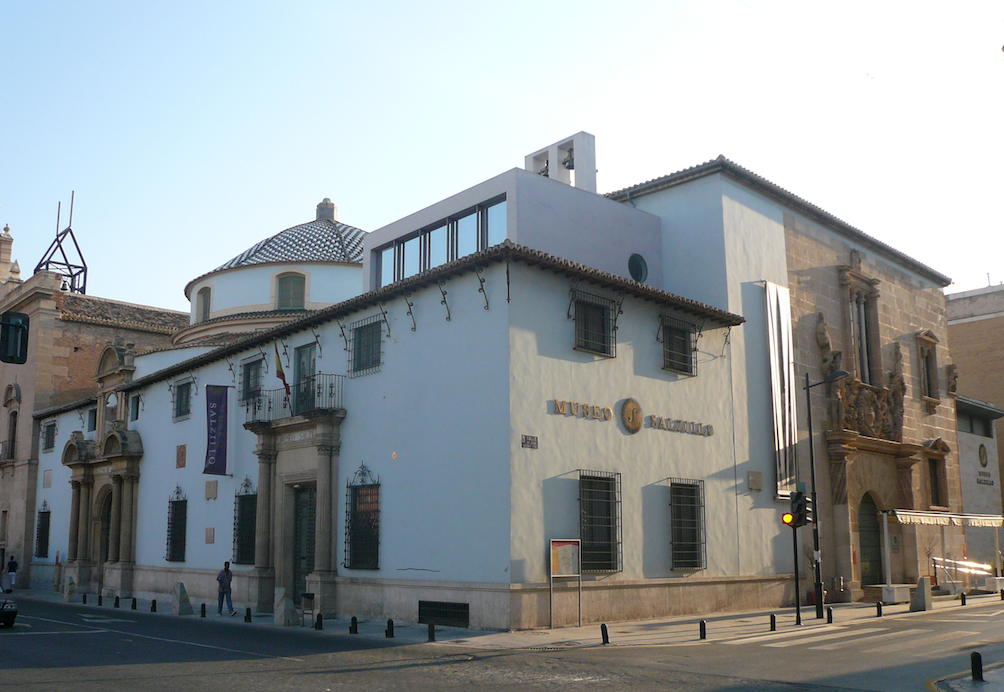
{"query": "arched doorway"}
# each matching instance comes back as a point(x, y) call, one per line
point(870, 541)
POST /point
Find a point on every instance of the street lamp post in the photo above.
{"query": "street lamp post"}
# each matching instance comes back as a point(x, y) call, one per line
point(832, 377)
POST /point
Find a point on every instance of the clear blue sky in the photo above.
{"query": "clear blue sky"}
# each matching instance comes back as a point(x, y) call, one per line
point(191, 130)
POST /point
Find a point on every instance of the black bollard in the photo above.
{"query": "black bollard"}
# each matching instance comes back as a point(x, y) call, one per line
point(389, 632)
point(85, 599)
point(116, 601)
point(319, 625)
point(878, 609)
point(101, 600)
point(829, 615)
point(354, 625)
point(134, 604)
point(1002, 594)
point(605, 633)
point(202, 611)
point(432, 632)
point(247, 615)
point(773, 622)
point(153, 606)
point(704, 629)
point(963, 599)
point(977, 660)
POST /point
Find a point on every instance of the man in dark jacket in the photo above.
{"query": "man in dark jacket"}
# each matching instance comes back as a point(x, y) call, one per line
point(12, 573)
point(224, 578)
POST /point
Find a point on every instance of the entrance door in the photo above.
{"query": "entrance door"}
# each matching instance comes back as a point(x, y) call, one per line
point(870, 540)
point(304, 508)
point(304, 368)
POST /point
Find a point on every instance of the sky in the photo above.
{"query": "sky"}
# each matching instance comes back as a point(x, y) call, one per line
point(191, 130)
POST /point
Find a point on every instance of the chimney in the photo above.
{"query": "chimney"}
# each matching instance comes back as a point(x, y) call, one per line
point(327, 210)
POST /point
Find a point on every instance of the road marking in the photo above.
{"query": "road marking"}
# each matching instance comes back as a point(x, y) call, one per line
point(824, 637)
point(840, 645)
point(102, 618)
point(933, 639)
point(779, 635)
point(32, 634)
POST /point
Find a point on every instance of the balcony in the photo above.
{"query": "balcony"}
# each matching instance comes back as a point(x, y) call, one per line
point(317, 393)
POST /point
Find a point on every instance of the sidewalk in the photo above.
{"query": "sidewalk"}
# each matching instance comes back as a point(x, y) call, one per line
point(673, 631)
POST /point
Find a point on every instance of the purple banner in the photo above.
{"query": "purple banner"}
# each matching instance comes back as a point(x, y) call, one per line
point(216, 430)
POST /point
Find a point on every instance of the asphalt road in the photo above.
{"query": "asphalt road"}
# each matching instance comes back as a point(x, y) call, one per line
point(56, 646)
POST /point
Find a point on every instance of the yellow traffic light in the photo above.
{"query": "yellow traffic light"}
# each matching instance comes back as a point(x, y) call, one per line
point(788, 518)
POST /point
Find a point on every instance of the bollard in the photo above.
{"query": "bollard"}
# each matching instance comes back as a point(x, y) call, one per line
point(134, 604)
point(977, 661)
point(101, 600)
point(116, 601)
point(153, 606)
point(247, 615)
point(432, 632)
point(389, 632)
point(704, 629)
point(605, 633)
point(354, 625)
point(878, 609)
point(773, 622)
point(1002, 594)
point(319, 625)
point(202, 611)
point(963, 598)
point(829, 615)
point(85, 599)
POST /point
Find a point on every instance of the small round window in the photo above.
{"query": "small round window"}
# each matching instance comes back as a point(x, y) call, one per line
point(638, 268)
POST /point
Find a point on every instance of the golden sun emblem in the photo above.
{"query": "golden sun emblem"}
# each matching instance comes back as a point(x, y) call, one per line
point(631, 415)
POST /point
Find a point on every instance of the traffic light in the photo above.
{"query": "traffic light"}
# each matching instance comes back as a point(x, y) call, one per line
point(788, 518)
point(799, 509)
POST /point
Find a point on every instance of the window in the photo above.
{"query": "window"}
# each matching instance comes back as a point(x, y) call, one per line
point(42, 531)
point(467, 232)
point(599, 521)
point(364, 355)
point(10, 450)
point(927, 348)
point(203, 304)
point(48, 436)
point(177, 520)
point(865, 359)
point(595, 324)
point(975, 425)
point(92, 420)
point(679, 346)
point(686, 503)
point(134, 407)
point(245, 519)
point(291, 291)
point(182, 399)
point(362, 527)
point(251, 373)
point(935, 478)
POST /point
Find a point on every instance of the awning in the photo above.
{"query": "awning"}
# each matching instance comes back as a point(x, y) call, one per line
point(909, 516)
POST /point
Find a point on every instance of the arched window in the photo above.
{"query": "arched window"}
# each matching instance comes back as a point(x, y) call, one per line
point(203, 304)
point(290, 292)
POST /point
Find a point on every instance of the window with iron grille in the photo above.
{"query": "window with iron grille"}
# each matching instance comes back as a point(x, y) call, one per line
point(365, 346)
point(291, 290)
point(600, 521)
point(92, 420)
point(251, 374)
point(444, 613)
point(245, 519)
point(595, 324)
point(48, 436)
point(686, 503)
point(362, 520)
point(42, 531)
point(679, 346)
point(177, 525)
point(181, 394)
point(134, 407)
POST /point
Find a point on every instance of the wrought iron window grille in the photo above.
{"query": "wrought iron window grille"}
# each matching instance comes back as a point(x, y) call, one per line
point(245, 521)
point(600, 521)
point(252, 369)
point(595, 322)
point(362, 520)
point(42, 531)
point(679, 345)
point(49, 436)
point(444, 613)
point(366, 346)
point(181, 397)
point(177, 525)
point(687, 527)
point(135, 406)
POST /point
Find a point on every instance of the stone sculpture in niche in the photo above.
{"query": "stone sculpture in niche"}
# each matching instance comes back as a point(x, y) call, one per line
point(952, 370)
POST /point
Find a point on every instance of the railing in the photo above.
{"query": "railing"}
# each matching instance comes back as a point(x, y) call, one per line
point(317, 393)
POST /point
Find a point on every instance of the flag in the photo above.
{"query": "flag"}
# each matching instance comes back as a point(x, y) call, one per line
point(279, 372)
point(216, 430)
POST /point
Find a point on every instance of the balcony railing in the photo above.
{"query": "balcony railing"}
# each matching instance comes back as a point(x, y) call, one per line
point(317, 393)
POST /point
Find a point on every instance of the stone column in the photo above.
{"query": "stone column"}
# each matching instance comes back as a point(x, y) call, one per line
point(114, 530)
point(126, 548)
point(322, 526)
point(84, 521)
point(263, 512)
point(71, 552)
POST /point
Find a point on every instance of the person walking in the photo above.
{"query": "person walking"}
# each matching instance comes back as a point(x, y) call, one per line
point(224, 578)
point(12, 573)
